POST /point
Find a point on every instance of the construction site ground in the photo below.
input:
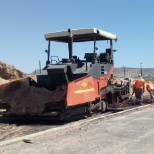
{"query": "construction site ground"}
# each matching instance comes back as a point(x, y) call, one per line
point(124, 133)
point(19, 127)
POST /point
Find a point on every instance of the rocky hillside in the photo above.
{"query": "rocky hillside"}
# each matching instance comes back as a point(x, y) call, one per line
point(133, 72)
point(8, 72)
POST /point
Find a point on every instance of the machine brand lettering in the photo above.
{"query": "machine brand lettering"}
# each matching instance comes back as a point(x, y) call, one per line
point(83, 90)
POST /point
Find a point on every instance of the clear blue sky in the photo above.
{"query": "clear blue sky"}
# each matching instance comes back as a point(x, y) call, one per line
point(24, 22)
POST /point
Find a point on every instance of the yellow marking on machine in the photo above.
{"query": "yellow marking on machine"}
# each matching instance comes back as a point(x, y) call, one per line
point(84, 84)
point(84, 90)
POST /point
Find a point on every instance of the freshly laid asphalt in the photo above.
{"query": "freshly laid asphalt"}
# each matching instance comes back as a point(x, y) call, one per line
point(131, 133)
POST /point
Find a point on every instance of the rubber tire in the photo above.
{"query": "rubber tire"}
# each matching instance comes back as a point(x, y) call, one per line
point(103, 106)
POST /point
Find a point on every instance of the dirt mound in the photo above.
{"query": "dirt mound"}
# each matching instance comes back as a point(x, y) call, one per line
point(30, 100)
point(3, 81)
point(8, 72)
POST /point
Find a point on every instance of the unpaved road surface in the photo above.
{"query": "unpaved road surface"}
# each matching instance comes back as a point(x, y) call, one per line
point(11, 129)
point(130, 133)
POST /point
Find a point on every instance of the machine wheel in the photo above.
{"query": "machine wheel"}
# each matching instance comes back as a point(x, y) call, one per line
point(103, 106)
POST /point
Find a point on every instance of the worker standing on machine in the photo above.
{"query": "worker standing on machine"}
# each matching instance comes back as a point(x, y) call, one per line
point(139, 90)
point(150, 89)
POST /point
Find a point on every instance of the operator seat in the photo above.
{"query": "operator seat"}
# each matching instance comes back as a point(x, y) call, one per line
point(104, 57)
point(90, 57)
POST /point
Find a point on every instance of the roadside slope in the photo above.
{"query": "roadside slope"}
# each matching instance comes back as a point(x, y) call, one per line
point(9, 72)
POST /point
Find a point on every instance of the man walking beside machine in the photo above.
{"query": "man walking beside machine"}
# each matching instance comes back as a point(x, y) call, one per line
point(139, 89)
point(150, 89)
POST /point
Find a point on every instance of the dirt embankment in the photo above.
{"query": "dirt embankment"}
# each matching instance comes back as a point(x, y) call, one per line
point(9, 72)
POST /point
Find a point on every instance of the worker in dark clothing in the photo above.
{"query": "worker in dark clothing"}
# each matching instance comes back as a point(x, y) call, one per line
point(150, 89)
point(139, 90)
